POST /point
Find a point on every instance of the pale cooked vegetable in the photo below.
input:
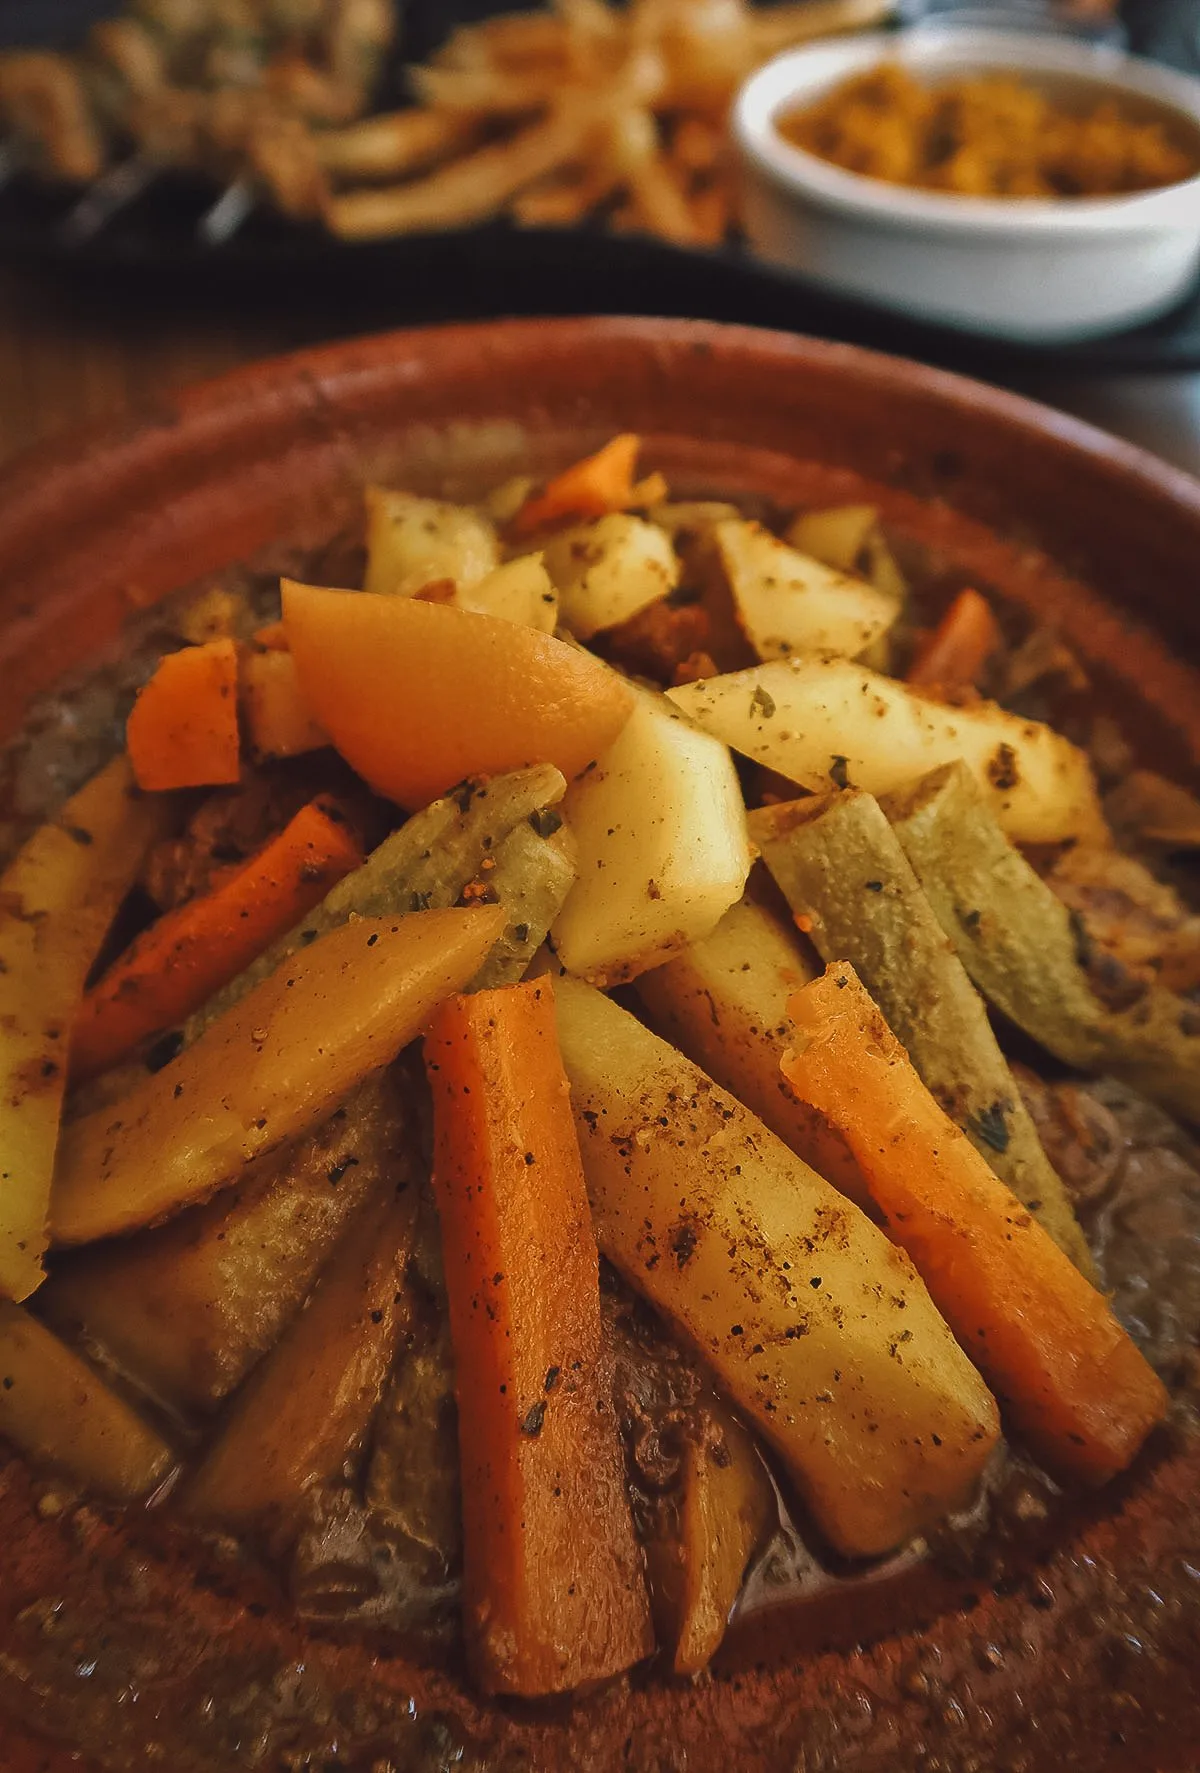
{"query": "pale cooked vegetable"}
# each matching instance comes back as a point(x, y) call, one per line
point(1032, 958)
point(279, 722)
point(684, 517)
point(58, 1412)
point(837, 535)
point(413, 542)
point(840, 867)
point(788, 602)
point(58, 897)
point(1061, 1364)
point(273, 1066)
point(727, 1511)
point(423, 866)
point(534, 872)
point(607, 571)
point(519, 591)
point(306, 1410)
point(724, 1002)
point(661, 830)
point(188, 1308)
point(829, 723)
point(816, 1325)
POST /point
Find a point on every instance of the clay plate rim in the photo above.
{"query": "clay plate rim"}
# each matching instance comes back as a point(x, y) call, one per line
point(1083, 1655)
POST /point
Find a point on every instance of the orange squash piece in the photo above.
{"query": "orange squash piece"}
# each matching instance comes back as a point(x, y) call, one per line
point(417, 696)
point(955, 654)
point(590, 488)
point(182, 731)
point(190, 953)
point(279, 721)
point(554, 1589)
point(1042, 1336)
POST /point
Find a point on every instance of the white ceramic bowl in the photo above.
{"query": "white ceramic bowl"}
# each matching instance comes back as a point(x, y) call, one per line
point(1023, 268)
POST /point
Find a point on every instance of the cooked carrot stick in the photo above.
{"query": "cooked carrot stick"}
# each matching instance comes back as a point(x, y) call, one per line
point(552, 1573)
point(279, 720)
point(1042, 1336)
point(273, 637)
point(960, 646)
point(180, 961)
point(591, 488)
point(182, 731)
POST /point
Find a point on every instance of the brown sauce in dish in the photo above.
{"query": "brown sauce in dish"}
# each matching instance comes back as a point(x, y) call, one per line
point(94, 1651)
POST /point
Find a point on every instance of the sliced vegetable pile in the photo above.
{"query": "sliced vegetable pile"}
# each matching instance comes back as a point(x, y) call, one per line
point(579, 737)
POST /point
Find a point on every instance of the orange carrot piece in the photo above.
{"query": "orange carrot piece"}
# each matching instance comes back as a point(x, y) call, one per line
point(960, 646)
point(1042, 1336)
point(591, 488)
point(553, 1580)
point(279, 720)
point(180, 961)
point(182, 731)
point(273, 637)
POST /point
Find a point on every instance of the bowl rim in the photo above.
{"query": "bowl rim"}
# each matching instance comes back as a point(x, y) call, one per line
point(120, 490)
point(806, 176)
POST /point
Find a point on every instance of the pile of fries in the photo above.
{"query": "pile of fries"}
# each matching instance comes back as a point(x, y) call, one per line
point(554, 116)
point(549, 116)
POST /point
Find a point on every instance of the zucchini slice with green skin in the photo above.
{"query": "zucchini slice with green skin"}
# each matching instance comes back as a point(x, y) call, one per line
point(423, 866)
point(1032, 958)
point(841, 867)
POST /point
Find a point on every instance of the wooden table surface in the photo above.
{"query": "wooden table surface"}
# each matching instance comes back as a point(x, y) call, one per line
point(71, 354)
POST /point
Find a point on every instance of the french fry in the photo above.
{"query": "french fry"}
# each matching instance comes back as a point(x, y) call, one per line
point(395, 144)
point(470, 189)
point(486, 90)
point(631, 143)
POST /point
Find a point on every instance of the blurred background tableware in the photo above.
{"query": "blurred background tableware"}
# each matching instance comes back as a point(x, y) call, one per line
point(114, 289)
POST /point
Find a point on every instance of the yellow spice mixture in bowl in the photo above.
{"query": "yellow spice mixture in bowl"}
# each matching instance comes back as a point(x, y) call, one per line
point(986, 135)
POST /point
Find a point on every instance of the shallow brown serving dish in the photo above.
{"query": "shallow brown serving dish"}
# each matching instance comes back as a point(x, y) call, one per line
point(119, 1647)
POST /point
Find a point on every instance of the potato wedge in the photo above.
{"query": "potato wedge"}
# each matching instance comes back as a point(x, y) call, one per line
point(412, 541)
point(424, 866)
point(724, 1002)
point(57, 899)
point(519, 591)
point(828, 723)
point(661, 830)
point(270, 1069)
point(188, 1308)
point(1033, 959)
point(798, 1302)
point(727, 1512)
point(837, 535)
point(307, 1408)
point(607, 571)
point(60, 1413)
point(840, 866)
point(788, 602)
point(690, 517)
